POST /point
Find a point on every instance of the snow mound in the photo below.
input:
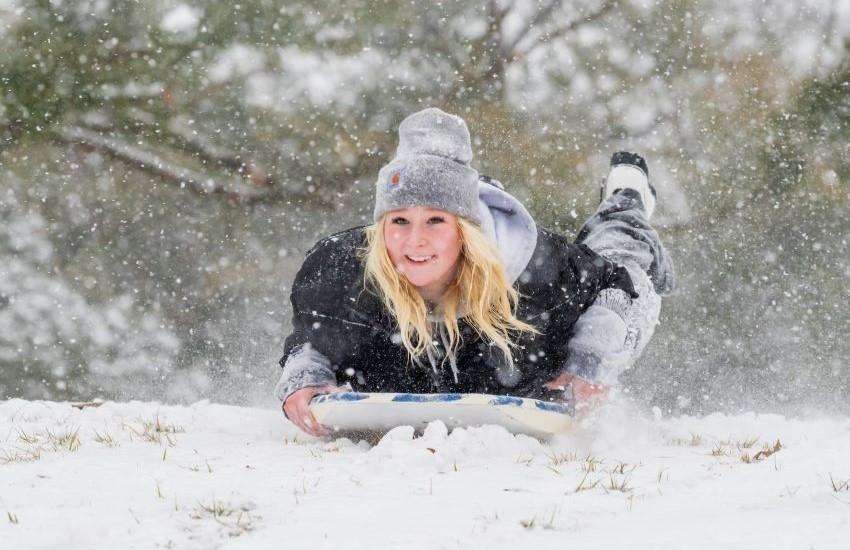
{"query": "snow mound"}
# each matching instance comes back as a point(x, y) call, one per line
point(145, 475)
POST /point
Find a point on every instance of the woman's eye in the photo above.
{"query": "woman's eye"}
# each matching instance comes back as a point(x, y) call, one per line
point(399, 221)
point(436, 219)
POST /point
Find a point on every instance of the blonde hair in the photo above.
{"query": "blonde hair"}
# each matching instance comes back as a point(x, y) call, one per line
point(481, 291)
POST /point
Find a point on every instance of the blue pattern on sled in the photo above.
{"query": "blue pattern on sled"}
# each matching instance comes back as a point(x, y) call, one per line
point(549, 406)
point(506, 400)
point(496, 400)
point(426, 397)
point(341, 396)
point(552, 406)
point(384, 411)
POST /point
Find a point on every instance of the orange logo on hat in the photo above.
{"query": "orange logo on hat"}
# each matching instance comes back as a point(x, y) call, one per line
point(395, 179)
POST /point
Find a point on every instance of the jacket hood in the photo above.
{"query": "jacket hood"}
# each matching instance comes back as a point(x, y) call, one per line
point(508, 225)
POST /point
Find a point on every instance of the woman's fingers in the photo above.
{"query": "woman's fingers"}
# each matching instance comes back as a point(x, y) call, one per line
point(298, 412)
point(303, 418)
point(588, 397)
point(584, 390)
point(585, 396)
point(311, 425)
point(560, 382)
point(306, 419)
point(297, 409)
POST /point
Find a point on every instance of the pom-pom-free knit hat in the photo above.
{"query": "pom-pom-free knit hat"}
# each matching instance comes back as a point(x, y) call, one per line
point(430, 167)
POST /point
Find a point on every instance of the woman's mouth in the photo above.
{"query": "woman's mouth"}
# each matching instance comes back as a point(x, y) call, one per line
point(420, 259)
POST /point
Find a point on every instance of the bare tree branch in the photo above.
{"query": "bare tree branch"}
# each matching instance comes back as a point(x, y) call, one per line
point(538, 19)
point(486, 62)
point(218, 156)
point(150, 162)
point(829, 26)
point(496, 56)
point(233, 189)
point(433, 27)
point(600, 12)
point(492, 42)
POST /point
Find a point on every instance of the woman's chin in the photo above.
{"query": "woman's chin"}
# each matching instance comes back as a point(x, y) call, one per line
point(420, 282)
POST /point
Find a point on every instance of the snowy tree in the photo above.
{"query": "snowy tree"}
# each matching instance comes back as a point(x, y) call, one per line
point(53, 340)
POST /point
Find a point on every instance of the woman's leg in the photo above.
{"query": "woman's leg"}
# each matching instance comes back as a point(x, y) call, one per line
point(613, 332)
point(620, 231)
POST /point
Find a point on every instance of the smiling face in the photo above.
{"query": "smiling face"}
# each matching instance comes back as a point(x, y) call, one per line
point(424, 244)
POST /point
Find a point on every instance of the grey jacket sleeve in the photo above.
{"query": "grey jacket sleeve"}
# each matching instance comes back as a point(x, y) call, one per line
point(307, 355)
point(304, 367)
point(610, 335)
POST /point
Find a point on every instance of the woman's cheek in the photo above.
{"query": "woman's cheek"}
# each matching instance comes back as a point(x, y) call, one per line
point(444, 242)
point(394, 240)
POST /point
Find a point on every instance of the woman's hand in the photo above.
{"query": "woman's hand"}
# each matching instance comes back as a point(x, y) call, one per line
point(297, 409)
point(586, 395)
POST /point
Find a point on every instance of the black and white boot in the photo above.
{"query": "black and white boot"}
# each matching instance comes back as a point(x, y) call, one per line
point(629, 171)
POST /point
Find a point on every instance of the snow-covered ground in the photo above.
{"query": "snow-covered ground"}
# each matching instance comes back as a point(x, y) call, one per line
point(145, 475)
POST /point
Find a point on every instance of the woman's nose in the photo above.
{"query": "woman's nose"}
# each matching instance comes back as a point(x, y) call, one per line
point(417, 235)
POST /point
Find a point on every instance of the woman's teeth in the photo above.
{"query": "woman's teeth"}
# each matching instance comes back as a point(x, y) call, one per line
point(419, 259)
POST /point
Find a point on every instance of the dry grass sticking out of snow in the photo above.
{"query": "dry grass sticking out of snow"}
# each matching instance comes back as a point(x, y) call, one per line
point(145, 475)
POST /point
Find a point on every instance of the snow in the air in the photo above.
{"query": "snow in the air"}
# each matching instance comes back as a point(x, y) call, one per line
point(164, 167)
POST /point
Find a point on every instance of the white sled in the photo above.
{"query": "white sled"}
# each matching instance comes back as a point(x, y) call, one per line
point(380, 412)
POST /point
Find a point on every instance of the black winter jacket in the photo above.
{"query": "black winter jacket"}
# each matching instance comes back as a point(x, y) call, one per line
point(346, 323)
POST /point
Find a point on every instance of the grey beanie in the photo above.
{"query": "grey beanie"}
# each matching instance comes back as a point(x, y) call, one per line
point(430, 167)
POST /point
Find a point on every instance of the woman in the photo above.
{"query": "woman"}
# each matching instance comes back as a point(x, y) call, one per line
point(455, 289)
